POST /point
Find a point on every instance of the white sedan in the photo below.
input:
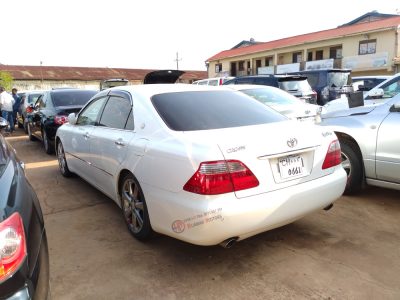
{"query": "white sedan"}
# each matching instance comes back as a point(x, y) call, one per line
point(281, 101)
point(205, 165)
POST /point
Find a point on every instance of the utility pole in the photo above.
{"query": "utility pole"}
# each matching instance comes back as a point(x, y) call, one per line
point(177, 59)
point(41, 75)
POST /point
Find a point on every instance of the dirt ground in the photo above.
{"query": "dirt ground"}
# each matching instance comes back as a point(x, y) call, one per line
point(349, 252)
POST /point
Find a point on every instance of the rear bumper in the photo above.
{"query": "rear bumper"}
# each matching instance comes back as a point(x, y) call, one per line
point(211, 220)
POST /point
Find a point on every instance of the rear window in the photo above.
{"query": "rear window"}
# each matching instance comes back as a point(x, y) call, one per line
point(338, 79)
point(33, 97)
point(295, 85)
point(189, 111)
point(72, 98)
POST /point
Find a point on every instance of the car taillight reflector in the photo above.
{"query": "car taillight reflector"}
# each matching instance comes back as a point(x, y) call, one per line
point(12, 245)
point(220, 177)
point(29, 109)
point(59, 120)
point(333, 156)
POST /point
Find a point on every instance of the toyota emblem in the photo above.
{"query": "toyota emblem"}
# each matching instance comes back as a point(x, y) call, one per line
point(292, 142)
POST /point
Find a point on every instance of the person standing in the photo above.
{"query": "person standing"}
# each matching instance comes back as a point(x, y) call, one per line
point(17, 102)
point(6, 103)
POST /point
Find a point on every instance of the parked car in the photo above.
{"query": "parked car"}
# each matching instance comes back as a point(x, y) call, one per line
point(24, 256)
point(29, 98)
point(385, 90)
point(369, 144)
point(293, 84)
point(379, 94)
point(202, 164)
point(281, 101)
point(213, 81)
point(329, 84)
point(51, 110)
point(366, 83)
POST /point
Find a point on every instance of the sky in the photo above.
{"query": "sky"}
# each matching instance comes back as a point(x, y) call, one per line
point(148, 34)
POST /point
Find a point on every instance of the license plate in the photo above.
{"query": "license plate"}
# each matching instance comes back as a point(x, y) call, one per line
point(291, 166)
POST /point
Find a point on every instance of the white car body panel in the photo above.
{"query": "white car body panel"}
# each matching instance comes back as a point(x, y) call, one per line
point(163, 160)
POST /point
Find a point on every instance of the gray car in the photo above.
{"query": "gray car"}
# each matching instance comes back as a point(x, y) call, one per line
point(370, 144)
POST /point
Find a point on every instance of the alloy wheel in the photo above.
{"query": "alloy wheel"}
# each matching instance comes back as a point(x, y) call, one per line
point(133, 206)
point(61, 157)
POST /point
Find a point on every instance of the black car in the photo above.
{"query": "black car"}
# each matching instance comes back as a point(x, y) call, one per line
point(51, 110)
point(329, 84)
point(24, 258)
point(294, 84)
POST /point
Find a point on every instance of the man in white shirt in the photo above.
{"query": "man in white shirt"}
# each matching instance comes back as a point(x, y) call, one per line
point(6, 104)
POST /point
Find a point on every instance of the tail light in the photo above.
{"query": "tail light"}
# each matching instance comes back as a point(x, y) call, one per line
point(59, 120)
point(29, 109)
point(333, 156)
point(221, 81)
point(12, 246)
point(220, 177)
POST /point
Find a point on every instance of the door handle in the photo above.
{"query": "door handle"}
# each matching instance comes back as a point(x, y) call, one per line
point(119, 143)
point(86, 135)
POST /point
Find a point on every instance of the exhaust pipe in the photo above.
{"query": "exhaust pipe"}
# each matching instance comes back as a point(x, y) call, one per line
point(329, 207)
point(228, 243)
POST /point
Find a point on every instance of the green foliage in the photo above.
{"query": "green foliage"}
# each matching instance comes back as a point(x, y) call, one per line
point(6, 80)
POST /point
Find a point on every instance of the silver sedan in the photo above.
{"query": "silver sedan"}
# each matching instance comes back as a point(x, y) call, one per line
point(370, 144)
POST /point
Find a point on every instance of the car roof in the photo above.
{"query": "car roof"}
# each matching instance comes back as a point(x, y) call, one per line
point(370, 77)
point(240, 87)
point(149, 90)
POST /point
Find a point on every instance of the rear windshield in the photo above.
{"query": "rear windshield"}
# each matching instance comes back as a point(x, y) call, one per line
point(272, 97)
point(72, 98)
point(33, 97)
point(338, 79)
point(188, 111)
point(295, 85)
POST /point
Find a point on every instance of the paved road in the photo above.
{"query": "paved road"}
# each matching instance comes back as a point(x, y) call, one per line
point(349, 252)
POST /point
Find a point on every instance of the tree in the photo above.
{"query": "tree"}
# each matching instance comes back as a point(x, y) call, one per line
point(6, 80)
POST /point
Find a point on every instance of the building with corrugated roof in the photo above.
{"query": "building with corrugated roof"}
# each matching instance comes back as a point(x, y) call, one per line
point(368, 45)
point(47, 77)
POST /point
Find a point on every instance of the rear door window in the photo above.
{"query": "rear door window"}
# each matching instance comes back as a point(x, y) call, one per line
point(115, 113)
point(188, 111)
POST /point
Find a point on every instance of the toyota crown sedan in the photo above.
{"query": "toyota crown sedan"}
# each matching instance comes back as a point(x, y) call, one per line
point(205, 165)
point(369, 142)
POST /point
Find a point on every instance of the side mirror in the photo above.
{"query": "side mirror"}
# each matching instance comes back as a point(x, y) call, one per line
point(395, 107)
point(376, 93)
point(362, 88)
point(72, 119)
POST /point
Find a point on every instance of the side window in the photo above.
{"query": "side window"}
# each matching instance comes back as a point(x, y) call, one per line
point(116, 112)
point(39, 102)
point(129, 123)
point(90, 115)
point(392, 89)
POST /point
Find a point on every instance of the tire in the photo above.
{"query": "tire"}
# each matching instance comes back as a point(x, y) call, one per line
point(134, 208)
point(352, 163)
point(62, 162)
point(25, 124)
point(31, 137)
point(46, 143)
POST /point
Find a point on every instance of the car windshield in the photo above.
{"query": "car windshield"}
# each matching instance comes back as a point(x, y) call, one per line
point(3, 156)
point(338, 79)
point(271, 97)
point(72, 98)
point(188, 111)
point(295, 85)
